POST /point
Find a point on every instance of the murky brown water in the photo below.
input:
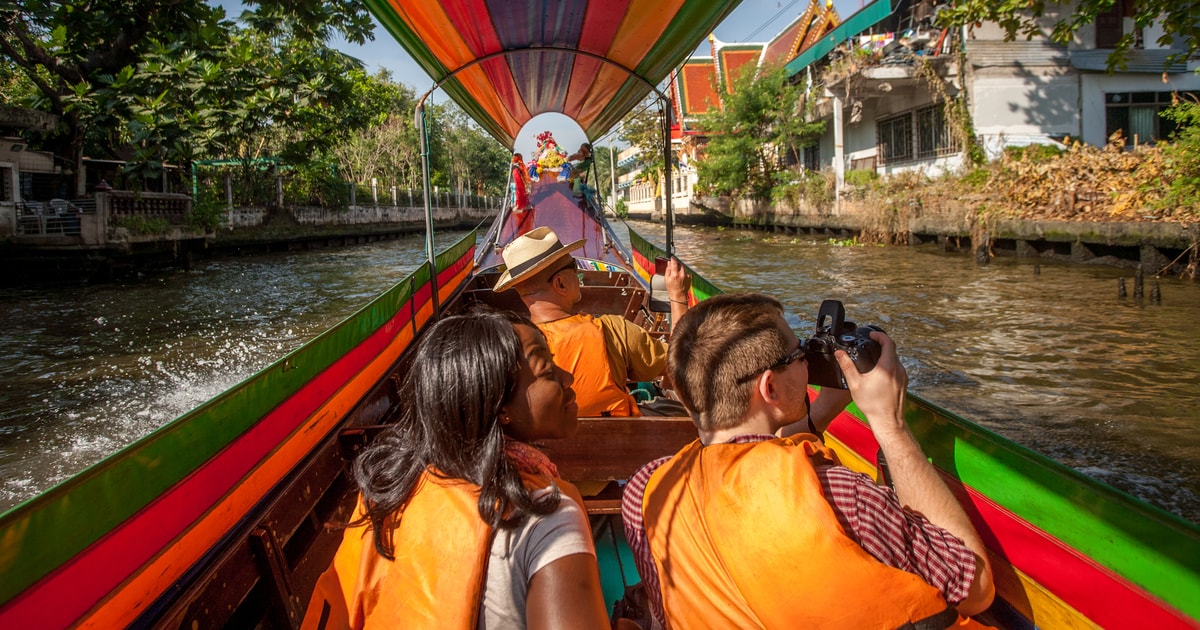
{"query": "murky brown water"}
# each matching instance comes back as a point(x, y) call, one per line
point(1052, 359)
point(1055, 361)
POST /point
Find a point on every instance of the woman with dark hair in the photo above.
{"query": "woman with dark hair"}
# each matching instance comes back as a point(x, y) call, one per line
point(467, 525)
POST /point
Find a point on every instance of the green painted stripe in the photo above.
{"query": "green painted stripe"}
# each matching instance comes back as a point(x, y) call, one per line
point(702, 289)
point(454, 252)
point(41, 534)
point(1146, 545)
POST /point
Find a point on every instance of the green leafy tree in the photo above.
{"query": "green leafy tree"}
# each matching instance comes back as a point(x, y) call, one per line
point(761, 125)
point(643, 129)
point(1180, 21)
point(1181, 160)
point(389, 148)
point(166, 76)
point(604, 169)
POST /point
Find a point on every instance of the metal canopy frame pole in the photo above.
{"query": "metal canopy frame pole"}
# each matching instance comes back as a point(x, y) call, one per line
point(651, 87)
point(423, 132)
point(665, 119)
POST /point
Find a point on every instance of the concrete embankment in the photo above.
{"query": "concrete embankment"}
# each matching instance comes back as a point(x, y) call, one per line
point(315, 228)
point(101, 250)
point(1157, 247)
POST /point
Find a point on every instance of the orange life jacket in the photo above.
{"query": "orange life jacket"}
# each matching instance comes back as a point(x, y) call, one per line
point(579, 347)
point(743, 538)
point(436, 581)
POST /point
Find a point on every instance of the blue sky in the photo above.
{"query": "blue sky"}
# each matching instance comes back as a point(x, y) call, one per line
point(751, 21)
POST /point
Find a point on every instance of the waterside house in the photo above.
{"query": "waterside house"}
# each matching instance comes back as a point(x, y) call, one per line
point(882, 77)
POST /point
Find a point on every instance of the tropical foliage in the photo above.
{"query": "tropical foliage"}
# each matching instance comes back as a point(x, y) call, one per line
point(643, 129)
point(759, 131)
point(157, 82)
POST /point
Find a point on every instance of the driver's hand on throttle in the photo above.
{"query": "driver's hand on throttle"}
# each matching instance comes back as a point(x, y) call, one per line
point(879, 393)
point(677, 280)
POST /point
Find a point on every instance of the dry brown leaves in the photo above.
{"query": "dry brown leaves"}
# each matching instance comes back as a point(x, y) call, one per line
point(1085, 183)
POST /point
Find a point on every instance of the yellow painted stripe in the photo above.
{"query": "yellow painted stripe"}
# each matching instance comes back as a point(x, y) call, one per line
point(849, 458)
point(1031, 599)
point(1021, 592)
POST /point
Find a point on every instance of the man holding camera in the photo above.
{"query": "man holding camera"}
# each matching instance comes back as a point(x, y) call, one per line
point(745, 528)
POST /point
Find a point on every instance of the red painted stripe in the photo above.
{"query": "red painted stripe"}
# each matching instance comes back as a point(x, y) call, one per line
point(455, 268)
point(1095, 591)
point(499, 72)
point(64, 595)
point(471, 20)
point(601, 22)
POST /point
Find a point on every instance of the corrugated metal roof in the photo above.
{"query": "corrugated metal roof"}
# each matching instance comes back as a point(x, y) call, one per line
point(990, 53)
point(1146, 61)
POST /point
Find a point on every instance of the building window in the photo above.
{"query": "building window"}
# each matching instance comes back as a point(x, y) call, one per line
point(1109, 28)
point(1137, 115)
point(895, 138)
point(918, 134)
point(812, 157)
point(6, 192)
point(934, 138)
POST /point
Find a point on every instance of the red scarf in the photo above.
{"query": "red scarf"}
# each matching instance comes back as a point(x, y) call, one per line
point(528, 459)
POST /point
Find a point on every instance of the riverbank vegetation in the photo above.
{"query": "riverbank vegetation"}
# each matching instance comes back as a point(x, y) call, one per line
point(761, 129)
point(175, 85)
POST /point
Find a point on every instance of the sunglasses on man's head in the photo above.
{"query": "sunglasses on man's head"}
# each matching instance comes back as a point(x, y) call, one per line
point(564, 268)
point(781, 362)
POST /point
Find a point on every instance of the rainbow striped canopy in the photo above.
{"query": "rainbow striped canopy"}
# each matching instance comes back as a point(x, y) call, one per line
point(506, 61)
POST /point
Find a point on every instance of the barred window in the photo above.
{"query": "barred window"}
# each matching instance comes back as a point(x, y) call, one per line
point(812, 157)
point(934, 138)
point(6, 192)
point(895, 139)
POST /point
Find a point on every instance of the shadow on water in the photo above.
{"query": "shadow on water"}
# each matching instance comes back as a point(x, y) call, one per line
point(1055, 361)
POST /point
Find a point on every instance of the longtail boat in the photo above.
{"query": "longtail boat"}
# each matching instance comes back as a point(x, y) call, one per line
point(223, 516)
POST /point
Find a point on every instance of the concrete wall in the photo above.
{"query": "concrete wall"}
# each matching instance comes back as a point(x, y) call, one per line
point(1025, 104)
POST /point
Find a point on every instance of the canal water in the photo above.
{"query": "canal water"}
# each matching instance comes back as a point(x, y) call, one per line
point(1044, 353)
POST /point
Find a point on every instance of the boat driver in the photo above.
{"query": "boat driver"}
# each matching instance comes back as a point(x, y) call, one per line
point(603, 352)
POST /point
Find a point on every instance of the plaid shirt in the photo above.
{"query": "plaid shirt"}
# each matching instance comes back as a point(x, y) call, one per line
point(871, 515)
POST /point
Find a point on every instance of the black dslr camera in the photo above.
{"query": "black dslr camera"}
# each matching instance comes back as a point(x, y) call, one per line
point(835, 333)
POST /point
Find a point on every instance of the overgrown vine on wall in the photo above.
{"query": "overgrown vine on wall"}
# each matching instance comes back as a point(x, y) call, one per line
point(958, 116)
point(957, 112)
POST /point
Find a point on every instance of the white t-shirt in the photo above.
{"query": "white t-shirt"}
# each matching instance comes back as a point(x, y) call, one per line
point(518, 554)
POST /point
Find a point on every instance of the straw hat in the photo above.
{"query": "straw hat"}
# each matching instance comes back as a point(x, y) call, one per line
point(530, 253)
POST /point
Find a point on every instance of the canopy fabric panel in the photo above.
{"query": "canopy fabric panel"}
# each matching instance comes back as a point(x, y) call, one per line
point(514, 59)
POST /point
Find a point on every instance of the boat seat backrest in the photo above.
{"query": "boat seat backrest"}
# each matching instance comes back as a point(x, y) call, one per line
point(508, 300)
point(626, 301)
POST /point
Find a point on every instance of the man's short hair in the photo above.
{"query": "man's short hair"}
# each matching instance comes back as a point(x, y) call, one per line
point(715, 349)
